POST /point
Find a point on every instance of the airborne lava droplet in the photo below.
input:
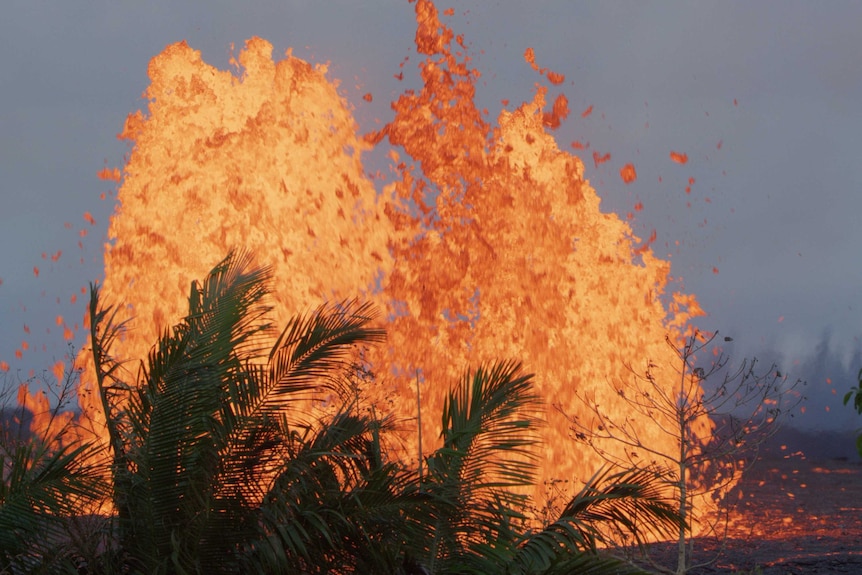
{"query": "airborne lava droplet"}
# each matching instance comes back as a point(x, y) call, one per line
point(555, 78)
point(59, 370)
point(530, 58)
point(679, 158)
point(600, 158)
point(628, 174)
point(108, 174)
point(559, 112)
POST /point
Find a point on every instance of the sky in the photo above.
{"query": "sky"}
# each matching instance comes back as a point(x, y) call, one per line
point(761, 97)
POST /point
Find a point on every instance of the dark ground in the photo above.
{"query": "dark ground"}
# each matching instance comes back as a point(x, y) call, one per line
point(799, 512)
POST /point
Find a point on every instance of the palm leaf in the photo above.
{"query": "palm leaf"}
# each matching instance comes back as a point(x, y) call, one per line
point(40, 489)
point(196, 438)
point(486, 458)
point(311, 356)
point(335, 506)
point(630, 501)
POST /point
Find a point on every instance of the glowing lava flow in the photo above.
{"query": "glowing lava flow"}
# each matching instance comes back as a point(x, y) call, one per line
point(490, 244)
point(269, 162)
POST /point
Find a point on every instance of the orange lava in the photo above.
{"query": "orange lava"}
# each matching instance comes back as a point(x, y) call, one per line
point(489, 243)
point(109, 174)
point(599, 159)
point(679, 158)
point(558, 114)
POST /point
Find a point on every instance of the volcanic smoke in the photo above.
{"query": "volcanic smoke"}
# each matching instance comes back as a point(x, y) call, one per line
point(489, 243)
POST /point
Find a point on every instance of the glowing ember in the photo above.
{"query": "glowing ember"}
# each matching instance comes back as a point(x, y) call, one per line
point(628, 174)
point(679, 158)
point(489, 244)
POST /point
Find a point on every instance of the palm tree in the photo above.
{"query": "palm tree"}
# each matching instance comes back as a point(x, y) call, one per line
point(478, 520)
point(205, 442)
point(219, 466)
point(44, 484)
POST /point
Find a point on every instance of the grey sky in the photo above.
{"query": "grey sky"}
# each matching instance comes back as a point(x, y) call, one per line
point(785, 187)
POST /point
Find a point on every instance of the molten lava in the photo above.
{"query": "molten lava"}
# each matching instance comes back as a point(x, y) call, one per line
point(490, 243)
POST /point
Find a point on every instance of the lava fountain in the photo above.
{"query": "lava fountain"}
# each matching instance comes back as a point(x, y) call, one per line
point(489, 243)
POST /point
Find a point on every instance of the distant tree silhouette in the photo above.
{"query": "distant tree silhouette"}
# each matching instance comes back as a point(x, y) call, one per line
point(856, 395)
point(716, 415)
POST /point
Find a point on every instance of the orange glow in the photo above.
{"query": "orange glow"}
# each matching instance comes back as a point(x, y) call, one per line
point(108, 174)
point(530, 58)
point(59, 370)
point(468, 249)
point(4, 366)
point(45, 421)
point(587, 112)
point(555, 78)
point(679, 158)
point(35, 271)
point(688, 187)
point(89, 218)
point(599, 159)
point(559, 112)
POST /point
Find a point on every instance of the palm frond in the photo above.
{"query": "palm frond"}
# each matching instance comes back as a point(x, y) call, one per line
point(478, 475)
point(588, 563)
point(334, 502)
point(41, 488)
point(629, 501)
point(312, 355)
point(315, 351)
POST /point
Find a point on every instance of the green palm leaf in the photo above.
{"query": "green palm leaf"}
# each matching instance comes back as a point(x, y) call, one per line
point(477, 477)
point(629, 501)
point(212, 416)
point(40, 489)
